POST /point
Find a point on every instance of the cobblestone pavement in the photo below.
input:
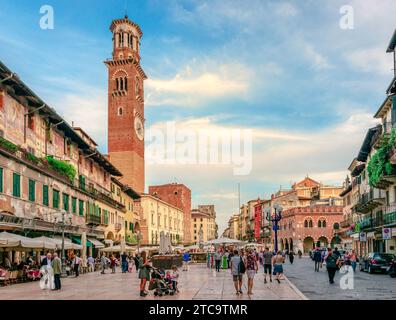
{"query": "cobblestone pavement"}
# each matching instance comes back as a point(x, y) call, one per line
point(198, 283)
point(315, 285)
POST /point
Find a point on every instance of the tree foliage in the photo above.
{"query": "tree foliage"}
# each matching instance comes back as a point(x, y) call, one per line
point(379, 164)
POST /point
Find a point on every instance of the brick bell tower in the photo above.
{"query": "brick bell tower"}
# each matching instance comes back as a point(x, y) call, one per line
point(126, 103)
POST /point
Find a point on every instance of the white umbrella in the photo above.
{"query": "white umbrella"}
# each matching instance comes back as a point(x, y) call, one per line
point(224, 240)
point(57, 242)
point(117, 249)
point(14, 240)
point(69, 245)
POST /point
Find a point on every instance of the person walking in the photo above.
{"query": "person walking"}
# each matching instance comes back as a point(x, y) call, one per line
point(57, 270)
point(230, 255)
point(124, 262)
point(278, 261)
point(237, 266)
point(353, 259)
point(76, 265)
point(186, 260)
point(46, 261)
point(251, 269)
point(267, 263)
point(299, 254)
point(103, 263)
point(144, 273)
point(113, 264)
point(218, 256)
point(318, 259)
point(332, 261)
point(291, 257)
point(91, 264)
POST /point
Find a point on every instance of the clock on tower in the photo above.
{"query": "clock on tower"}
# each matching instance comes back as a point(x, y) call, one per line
point(126, 103)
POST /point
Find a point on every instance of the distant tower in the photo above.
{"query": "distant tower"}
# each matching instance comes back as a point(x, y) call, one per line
point(126, 103)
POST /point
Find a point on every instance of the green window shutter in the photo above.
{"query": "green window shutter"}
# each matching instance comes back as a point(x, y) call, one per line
point(126, 225)
point(55, 199)
point(32, 190)
point(16, 185)
point(82, 182)
point(74, 205)
point(81, 207)
point(1, 180)
point(65, 200)
point(45, 195)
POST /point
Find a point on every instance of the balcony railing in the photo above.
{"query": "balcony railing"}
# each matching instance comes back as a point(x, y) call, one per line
point(93, 219)
point(369, 201)
point(390, 214)
point(41, 225)
point(98, 193)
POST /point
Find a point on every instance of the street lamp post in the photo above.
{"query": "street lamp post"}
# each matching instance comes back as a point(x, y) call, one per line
point(63, 225)
point(274, 219)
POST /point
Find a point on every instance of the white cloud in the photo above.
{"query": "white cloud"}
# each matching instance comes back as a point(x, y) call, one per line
point(279, 157)
point(370, 60)
point(199, 82)
point(82, 104)
point(285, 9)
point(319, 61)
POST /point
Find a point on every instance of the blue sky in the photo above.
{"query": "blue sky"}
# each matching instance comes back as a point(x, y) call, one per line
point(285, 69)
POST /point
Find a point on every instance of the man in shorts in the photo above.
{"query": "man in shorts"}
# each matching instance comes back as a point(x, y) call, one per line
point(267, 263)
point(235, 271)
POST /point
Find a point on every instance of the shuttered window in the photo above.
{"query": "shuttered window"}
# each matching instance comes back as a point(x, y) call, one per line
point(16, 185)
point(74, 205)
point(55, 199)
point(45, 195)
point(81, 207)
point(1, 179)
point(32, 190)
point(65, 200)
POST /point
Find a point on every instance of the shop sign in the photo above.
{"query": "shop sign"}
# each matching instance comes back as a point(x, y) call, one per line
point(386, 233)
point(363, 236)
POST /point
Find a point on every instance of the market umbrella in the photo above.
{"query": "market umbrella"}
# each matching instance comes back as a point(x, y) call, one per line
point(224, 241)
point(57, 242)
point(117, 249)
point(16, 241)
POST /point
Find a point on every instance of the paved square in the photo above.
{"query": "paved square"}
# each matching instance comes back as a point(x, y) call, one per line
point(199, 283)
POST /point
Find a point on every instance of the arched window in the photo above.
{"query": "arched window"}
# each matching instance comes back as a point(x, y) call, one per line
point(320, 224)
point(310, 224)
point(324, 224)
point(125, 84)
point(306, 224)
point(120, 111)
point(117, 84)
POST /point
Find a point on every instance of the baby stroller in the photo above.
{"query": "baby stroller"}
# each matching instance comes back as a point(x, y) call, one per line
point(159, 284)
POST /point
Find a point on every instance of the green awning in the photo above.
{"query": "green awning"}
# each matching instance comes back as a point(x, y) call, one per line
point(78, 241)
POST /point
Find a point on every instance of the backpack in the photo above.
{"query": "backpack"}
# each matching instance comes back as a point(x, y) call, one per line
point(241, 266)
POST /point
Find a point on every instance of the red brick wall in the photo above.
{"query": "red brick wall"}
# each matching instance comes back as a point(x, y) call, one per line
point(122, 137)
point(179, 196)
point(298, 232)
